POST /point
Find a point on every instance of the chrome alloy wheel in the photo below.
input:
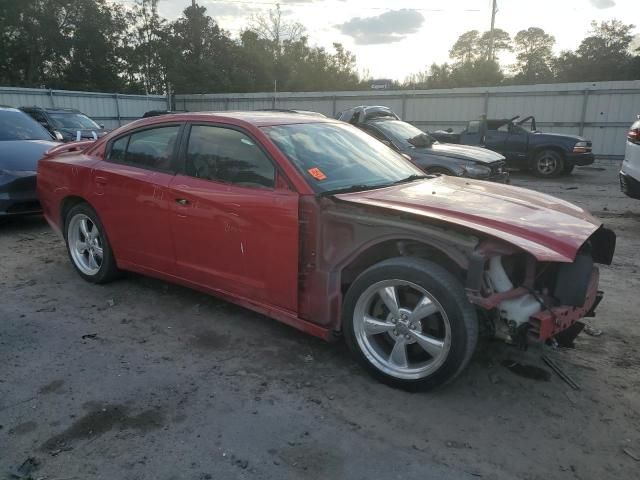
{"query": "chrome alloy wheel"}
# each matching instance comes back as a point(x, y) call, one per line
point(85, 244)
point(402, 329)
point(546, 164)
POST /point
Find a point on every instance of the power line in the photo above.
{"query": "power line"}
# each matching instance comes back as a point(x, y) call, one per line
point(311, 4)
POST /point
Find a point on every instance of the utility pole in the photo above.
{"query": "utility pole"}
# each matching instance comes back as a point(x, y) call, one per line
point(193, 3)
point(494, 10)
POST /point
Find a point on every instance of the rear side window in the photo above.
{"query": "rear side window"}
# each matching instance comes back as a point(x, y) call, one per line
point(118, 149)
point(152, 148)
point(226, 155)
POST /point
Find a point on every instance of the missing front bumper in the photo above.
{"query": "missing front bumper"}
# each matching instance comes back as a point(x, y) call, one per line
point(550, 322)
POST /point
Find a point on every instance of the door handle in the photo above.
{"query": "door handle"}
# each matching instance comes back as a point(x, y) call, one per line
point(100, 180)
point(182, 201)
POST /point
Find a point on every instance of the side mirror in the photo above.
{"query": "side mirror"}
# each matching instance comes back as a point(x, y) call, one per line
point(58, 135)
point(101, 125)
point(449, 130)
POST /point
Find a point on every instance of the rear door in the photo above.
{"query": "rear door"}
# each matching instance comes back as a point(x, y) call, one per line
point(131, 195)
point(234, 218)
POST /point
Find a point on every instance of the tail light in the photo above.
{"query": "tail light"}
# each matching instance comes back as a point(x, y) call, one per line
point(634, 135)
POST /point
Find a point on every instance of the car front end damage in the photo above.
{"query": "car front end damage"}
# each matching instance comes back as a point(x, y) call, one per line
point(523, 299)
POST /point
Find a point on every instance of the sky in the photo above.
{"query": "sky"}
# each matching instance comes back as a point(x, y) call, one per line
point(394, 38)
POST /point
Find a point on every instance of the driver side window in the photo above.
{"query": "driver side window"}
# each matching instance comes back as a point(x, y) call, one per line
point(474, 126)
point(226, 155)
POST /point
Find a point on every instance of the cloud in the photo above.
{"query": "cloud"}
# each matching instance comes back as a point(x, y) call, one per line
point(603, 3)
point(389, 27)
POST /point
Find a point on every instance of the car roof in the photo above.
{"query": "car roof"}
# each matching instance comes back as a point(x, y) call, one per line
point(257, 118)
point(51, 109)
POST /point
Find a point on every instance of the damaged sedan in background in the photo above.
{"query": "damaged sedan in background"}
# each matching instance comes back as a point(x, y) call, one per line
point(327, 230)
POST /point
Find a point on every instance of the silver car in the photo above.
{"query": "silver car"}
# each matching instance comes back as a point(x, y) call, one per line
point(630, 171)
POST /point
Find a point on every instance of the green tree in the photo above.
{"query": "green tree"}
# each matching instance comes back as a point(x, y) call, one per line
point(533, 55)
point(603, 55)
point(94, 59)
point(467, 47)
point(501, 43)
point(199, 54)
point(144, 66)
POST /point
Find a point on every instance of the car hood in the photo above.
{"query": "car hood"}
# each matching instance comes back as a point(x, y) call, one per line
point(464, 152)
point(575, 138)
point(23, 155)
point(547, 227)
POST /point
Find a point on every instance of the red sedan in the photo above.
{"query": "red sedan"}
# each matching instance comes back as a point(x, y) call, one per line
point(311, 222)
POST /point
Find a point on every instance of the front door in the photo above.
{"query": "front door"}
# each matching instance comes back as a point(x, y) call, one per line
point(233, 229)
point(130, 190)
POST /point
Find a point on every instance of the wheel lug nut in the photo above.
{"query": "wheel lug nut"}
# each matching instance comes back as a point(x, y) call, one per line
point(407, 336)
point(395, 332)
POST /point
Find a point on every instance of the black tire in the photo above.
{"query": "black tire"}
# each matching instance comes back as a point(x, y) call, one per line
point(448, 293)
point(547, 164)
point(107, 268)
point(568, 169)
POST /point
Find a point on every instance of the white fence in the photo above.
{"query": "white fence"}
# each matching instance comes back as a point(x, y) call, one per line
point(110, 109)
point(601, 111)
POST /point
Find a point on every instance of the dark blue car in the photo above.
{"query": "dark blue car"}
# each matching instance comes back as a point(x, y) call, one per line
point(545, 154)
point(23, 142)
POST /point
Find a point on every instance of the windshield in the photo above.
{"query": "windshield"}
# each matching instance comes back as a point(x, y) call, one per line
point(400, 131)
point(20, 126)
point(336, 156)
point(73, 121)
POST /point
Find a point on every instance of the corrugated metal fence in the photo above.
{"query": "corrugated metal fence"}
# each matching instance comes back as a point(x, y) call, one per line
point(110, 109)
point(600, 111)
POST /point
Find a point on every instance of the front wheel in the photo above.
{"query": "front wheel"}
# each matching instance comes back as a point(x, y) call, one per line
point(409, 323)
point(88, 245)
point(548, 164)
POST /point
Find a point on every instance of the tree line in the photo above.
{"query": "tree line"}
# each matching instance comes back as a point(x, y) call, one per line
point(95, 45)
point(604, 54)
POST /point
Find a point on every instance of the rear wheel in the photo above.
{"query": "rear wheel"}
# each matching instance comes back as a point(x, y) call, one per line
point(547, 164)
point(409, 323)
point(88, 245)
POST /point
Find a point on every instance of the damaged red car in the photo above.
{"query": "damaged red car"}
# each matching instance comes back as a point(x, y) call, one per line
point(311, 222)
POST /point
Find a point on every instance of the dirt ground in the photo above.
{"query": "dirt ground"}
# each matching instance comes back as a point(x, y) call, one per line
point(139, 379)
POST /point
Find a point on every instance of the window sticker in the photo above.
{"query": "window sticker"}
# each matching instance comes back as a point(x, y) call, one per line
point(317, 174)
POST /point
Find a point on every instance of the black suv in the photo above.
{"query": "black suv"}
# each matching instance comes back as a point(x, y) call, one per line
point(66, 124)
point(423, 150)
point(545, 154)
